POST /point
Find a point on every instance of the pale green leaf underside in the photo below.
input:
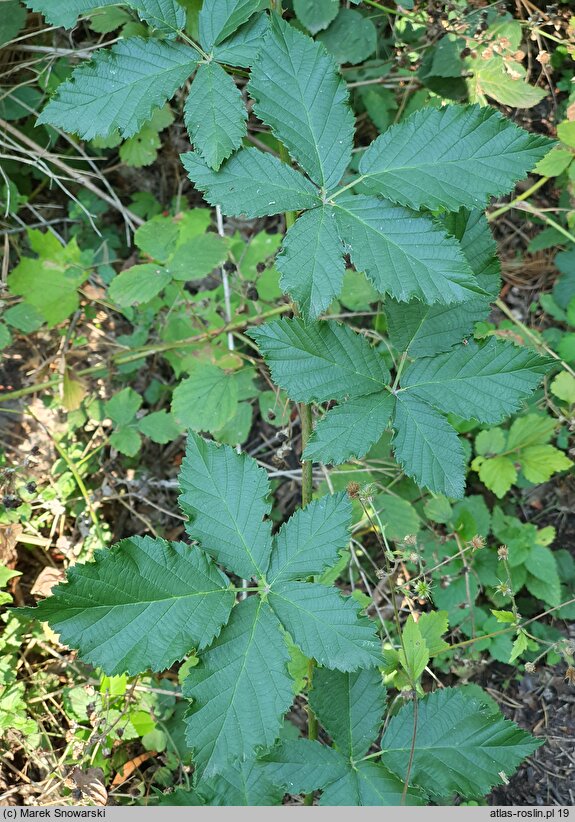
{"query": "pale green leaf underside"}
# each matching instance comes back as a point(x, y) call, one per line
point(453, 156)
point(459, 747)
point(310, 540)
point(224, 494)
point(428, 448)
point(165, 15)
point(350, 707)
point(320, 362)
point(350, 429)
point(142, 604)
point(325, 625)
point(404, 254)
point(240, 689)
point(214, 114)
point(311, 263)
point(299, 93)
point(219, 19)
point(486, 384)
point(251, 183)
point(119, 88)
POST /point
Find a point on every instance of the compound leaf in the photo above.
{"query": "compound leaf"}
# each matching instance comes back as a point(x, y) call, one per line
point(325, 625)
point(320, 362)
point(251, 183)
point(119, 88)
point(450, 157)
point(350, 707)
point(214, 114)
point(486, 384)
point(460, 746)
point(350, 429)
point(404, 254)
point(310, 540)
point(300, 95)
point(166, 15)
point(219, 19)
point(427, 447)
point(224, 494)
point(240, 689)
point(141, 604)
point(311, 263)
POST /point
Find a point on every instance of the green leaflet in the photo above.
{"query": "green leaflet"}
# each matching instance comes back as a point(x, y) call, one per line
point(453, 156)
point(316, 14)
point(350, 429)
point(428, 448)
point(120, 88)
point(221, 18)
point(320, 362)
point(325, 625)
point(303, 765)
point(350, 707)
point(485, 383)
point(464, 755)
point(430, 329)
point(206, 400)
point(299, 93)
point(311, 539)
point(138, 284)
point(140, 590)
point(240, 689)
point(402, 253)
point(225, 495)
point(242, 47)
point(166, 15)
point(311, 263)
point(369, 784)
point(242, 783)
point(251, 183)
point(214, 114)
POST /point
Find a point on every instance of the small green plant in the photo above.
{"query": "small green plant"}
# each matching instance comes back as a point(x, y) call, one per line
point(408, 214)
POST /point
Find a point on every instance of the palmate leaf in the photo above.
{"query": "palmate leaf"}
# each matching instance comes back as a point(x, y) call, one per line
point(350, 707)
point(460, 746)
point(166, 15)
point(350, 429)
point(453, 156)
point(251, 183)
point(310, 540)
point(240, 689)
point(325, 625)
point(320, 362)
point(120, 88)
point(141, 604)
point(219, 19)
point(486, 384)
point(300, 95)
point(214, 114)
point(428, 448)
point(311, 263)
point(403, 253)
point(225, 496)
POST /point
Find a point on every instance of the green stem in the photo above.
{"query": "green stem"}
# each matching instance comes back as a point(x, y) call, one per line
point(123, 357)
point(494, 214)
